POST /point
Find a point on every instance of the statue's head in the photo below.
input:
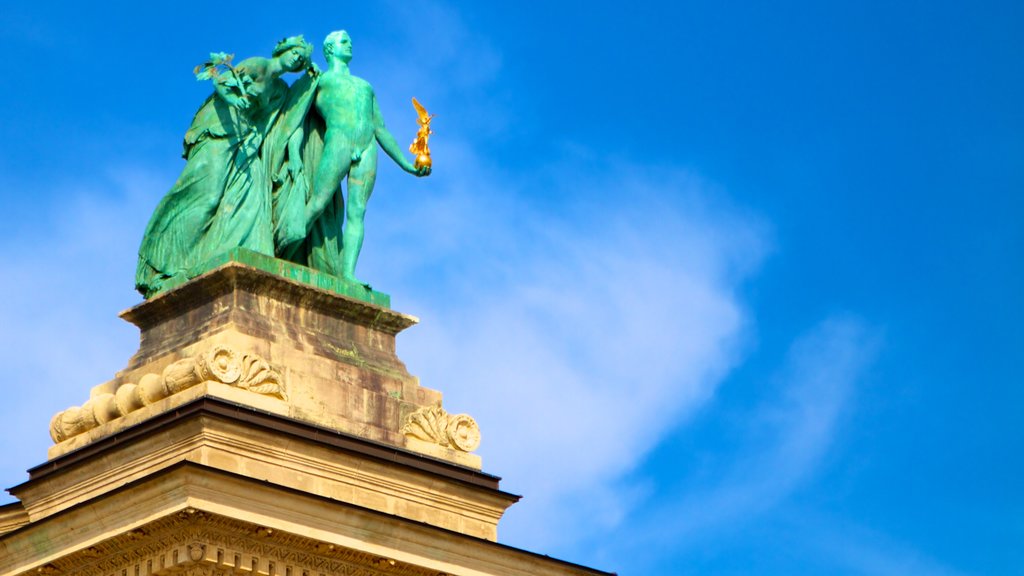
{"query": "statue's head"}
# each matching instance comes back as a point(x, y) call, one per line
point(338, 44)
point(294, 52)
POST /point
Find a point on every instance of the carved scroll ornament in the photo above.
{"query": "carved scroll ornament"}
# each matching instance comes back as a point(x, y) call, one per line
point(218, 364)
point(433, 424)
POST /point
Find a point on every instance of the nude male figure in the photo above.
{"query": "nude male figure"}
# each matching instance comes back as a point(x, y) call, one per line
point(354, 128)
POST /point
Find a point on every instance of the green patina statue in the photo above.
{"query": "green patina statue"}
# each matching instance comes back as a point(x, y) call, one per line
point(354, 128)
point(334, 126)
point(222, 198)
point(265, 164)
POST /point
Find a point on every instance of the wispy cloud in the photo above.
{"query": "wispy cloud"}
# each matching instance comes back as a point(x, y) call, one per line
point(789, 435)
point(783, 444)
point(577, 331)
point(576, 335)
point(66, 278)
point(818, 383)
point(578, 325)
point(856, 550)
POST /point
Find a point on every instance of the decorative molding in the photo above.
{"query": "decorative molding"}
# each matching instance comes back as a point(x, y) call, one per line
point(221, 364)
point(245, 271)
point(433, 424)
point(197, 543)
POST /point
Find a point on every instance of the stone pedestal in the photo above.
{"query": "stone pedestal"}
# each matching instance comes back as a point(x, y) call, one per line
point(309, 353)
point(265, 426)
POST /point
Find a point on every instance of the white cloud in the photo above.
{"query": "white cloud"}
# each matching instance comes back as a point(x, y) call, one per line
point(577, 337)
point(66, 280)
point(786, 439)
point(579, 311)
point(579, 316)
point(578, 330)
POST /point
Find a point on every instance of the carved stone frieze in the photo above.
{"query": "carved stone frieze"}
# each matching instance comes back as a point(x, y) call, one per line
point(210, 545)
point(221, 364)
point(433, 424)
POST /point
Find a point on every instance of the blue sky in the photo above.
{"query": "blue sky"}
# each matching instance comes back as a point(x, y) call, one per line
point(731, 287)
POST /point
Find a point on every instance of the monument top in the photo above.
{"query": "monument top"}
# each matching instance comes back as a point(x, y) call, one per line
point(264, 166)
point(266, 424)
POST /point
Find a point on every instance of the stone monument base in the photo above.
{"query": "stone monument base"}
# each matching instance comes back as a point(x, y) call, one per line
point(265, 426)
point(307, 352)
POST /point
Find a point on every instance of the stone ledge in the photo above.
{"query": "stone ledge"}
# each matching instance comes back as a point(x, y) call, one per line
point(241, 272)
point(195, 516)
point(12, 517)
point(271, 417)
point(272, 448)
point(289, 270)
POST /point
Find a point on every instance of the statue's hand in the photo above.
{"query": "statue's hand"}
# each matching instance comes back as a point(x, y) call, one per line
point(412, 169)
point(419, 172)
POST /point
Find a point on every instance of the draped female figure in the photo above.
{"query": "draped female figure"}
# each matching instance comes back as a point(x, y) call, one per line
point(222, 199)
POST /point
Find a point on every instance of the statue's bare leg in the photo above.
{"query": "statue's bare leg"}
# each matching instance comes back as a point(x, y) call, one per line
point(335, 163)
point(361, 178)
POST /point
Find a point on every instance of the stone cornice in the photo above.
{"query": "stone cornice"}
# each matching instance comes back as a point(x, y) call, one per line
point(235, 275)
point(201, 520)
point(280, 425)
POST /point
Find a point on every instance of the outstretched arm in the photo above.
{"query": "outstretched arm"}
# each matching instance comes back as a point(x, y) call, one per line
point(390, 146)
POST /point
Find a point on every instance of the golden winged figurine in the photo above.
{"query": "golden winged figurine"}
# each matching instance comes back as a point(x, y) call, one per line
point(419, 145)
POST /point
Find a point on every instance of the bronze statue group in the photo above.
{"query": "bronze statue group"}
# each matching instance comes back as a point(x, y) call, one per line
point(264, 166)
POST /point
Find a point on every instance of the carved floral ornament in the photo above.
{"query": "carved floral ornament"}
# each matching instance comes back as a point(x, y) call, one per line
point(433, 424)
point(218, 364)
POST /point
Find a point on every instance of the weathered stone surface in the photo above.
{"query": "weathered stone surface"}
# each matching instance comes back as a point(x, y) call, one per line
point(266, 427)
point(292, 271)
point(214, 430)
point(12, 517)
point(316, 355)
point(195, 519)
